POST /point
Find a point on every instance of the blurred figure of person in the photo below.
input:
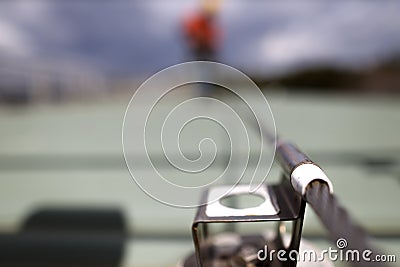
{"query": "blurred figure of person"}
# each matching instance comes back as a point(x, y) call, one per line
point(202, 36)
point(201, 31)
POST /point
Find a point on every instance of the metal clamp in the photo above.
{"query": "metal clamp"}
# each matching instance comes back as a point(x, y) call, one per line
point(281, 203)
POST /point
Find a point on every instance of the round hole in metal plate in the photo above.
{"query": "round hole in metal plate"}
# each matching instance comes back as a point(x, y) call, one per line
point(242, 201)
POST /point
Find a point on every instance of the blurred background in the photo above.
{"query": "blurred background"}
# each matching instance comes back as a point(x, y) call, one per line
point(330, 71)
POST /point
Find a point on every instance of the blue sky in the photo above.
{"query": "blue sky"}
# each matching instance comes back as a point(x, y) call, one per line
point(143, 36)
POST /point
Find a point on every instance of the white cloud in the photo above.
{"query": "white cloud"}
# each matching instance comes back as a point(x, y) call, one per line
point(13, 41)
point(289, 47)
point(351, 33)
